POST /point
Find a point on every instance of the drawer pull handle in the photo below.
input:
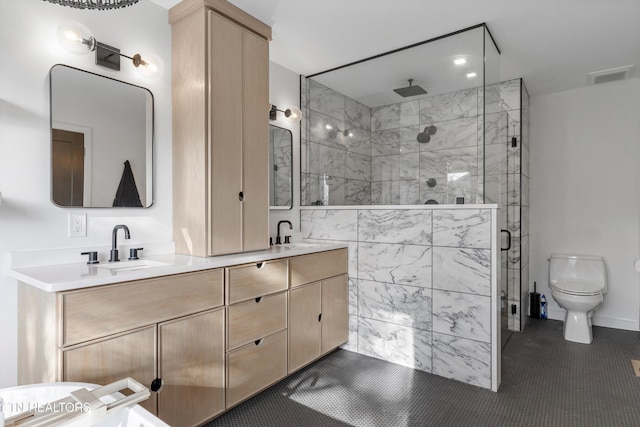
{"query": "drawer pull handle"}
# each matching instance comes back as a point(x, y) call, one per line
point(260, 264)
point(156, 385)
point(258, 342)
point(258, 300)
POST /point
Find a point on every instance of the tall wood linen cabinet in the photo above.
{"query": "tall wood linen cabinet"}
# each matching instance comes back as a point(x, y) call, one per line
point(220, 75)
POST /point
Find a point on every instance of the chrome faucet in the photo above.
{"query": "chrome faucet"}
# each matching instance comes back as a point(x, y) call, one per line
point(114, 241)
point(286, 239)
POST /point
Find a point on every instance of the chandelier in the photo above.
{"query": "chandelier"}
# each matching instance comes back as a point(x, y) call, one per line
point(94, 4)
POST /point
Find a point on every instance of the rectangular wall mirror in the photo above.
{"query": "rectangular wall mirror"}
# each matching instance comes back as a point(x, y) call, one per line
point(101, 141)
point(280, 183)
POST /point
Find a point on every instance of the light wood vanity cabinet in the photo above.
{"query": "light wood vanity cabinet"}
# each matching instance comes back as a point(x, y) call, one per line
point(220, 78)
point(215, 337)
point(318, 311)
point(171, 328)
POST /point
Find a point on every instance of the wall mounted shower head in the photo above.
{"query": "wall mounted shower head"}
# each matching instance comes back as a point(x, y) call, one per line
point(425, 136)
point(410, 90)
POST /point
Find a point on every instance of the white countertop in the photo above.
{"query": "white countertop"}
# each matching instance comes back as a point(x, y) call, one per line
point(64, 277)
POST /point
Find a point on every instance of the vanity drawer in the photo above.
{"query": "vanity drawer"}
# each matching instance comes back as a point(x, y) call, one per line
point(318, 266)
point(256, 318)
point(254, 367)
point(256, 280)
point(100, 311)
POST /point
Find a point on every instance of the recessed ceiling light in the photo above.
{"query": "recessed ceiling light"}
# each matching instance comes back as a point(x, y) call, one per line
point(460, 61)
point(471, 75)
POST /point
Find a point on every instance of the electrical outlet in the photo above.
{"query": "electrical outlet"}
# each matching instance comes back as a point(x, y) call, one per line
point(78, 225)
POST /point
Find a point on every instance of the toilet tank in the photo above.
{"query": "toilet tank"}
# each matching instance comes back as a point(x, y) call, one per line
point(578, 269)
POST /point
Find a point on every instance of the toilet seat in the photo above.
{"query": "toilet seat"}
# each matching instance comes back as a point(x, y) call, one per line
point(577, 288)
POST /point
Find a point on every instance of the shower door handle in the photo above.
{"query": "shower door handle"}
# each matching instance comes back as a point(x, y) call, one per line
point(508, 240)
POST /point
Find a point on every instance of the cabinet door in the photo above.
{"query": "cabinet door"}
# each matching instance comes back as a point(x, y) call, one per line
point(304, 325)
point(255, 140)
point(225, 135)
point(335, 312)
point(131, 354)
point(191, 352)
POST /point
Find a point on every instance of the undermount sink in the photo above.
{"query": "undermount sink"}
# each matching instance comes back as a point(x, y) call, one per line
point(131, 265)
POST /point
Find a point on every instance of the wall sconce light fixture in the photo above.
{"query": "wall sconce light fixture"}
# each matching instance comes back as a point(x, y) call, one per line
point(292, 113)
point(335, 131)
point(94, 4)
point(76, 38)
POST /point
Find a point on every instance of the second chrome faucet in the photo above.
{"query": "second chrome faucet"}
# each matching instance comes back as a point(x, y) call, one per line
point(114, 241)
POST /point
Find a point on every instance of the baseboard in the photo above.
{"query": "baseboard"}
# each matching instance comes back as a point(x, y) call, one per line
point(605, 322)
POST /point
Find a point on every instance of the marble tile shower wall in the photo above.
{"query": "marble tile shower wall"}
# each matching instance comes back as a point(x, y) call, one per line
point(336, 168)
point(381, 162)
point(407, 172)
point(420, 285)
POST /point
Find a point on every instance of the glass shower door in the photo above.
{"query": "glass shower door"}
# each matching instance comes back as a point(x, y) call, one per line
point(496, 192)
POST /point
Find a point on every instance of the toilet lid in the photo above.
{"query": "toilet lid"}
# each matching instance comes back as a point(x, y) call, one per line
point(577, 288)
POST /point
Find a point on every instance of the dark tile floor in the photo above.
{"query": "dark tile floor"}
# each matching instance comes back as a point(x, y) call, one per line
point(546, 381)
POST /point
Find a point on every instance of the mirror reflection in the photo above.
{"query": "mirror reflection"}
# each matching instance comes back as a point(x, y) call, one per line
point(280, 147)
point(101, 141)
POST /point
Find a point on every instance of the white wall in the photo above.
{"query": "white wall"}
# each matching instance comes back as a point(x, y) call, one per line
point(585, 189)
point(28, 220)
point(284, 92)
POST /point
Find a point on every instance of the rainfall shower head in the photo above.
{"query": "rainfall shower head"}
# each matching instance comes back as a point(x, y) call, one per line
point(410, 90)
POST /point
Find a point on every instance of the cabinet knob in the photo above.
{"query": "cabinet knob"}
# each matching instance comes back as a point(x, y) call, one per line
point(156, 385)
point(258, 300)
point(241, 196)
point(258, 342)
point(320, 317)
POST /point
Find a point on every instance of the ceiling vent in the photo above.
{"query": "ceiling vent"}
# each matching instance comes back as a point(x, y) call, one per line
point(611, 75)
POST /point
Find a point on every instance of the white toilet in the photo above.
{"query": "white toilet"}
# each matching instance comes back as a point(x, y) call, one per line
point(578, 284)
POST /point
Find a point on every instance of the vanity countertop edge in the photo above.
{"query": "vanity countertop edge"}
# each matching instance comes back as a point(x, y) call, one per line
point(66, 277)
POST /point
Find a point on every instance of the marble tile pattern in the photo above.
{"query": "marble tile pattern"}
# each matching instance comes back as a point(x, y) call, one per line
point(395, 141)
point(395, 263)
point(386, 137)
point(398, 304)
point(399, 344)
point(465, 270)
point(357, 192)
point(462, 315)
point(510, 94)
point(462, 359)
point(395, 226)
point(448, 106)
point(329, 224)
point(282, 187)
point(357, 115)
point(416, 274)
point(326, 100)
point(322, 190)
point(395, 116)
point(467, 228)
